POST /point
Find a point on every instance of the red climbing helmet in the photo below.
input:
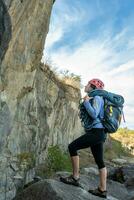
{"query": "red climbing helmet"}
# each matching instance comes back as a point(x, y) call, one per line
point(97, 82)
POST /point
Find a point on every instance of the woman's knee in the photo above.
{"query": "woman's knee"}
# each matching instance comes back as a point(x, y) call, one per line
point(72, 149)
point(100, 164)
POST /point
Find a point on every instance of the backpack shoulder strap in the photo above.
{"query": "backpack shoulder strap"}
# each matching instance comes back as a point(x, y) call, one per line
point(114, 98)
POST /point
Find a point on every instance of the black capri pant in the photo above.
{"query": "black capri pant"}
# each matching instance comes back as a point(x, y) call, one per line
point(94, 139)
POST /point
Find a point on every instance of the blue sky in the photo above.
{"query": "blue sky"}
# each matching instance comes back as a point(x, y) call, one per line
point(95, 39)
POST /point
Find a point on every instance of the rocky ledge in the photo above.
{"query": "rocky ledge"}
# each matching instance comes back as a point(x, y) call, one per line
point(53, 189)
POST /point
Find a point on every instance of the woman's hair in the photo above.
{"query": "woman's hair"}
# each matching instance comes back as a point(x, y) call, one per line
point(93, 86)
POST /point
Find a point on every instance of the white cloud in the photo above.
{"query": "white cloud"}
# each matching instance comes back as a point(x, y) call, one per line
point(106, 57)
point(54, 36)
point(91, 60)
point(63, 19)
point(123, 68)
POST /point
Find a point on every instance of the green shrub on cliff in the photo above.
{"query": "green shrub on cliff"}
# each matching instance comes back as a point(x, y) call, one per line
point(26, 160)
point(57, 160)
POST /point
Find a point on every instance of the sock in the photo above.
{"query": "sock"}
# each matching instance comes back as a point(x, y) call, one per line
point(76, 177)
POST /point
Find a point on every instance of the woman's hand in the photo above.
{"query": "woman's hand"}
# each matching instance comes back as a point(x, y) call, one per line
point(87, 98)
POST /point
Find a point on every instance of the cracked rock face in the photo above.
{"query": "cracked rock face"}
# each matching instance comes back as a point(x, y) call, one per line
point(5, 29)
point(36, 110)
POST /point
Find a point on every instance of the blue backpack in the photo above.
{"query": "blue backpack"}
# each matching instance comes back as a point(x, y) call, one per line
point(86, 119)
point(113, 110)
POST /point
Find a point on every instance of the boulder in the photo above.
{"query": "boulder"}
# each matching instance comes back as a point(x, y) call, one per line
point(119, 161)
point(53, 189)
point(90, 170)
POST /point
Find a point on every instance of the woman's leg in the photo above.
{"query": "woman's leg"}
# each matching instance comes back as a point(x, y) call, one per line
point(82, 142)
point(97, 151)
point(103, 178)
point(77, 144)
point(75, 166)
point(91, 137)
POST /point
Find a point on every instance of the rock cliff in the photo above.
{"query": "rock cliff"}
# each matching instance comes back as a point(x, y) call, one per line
point(36, 109)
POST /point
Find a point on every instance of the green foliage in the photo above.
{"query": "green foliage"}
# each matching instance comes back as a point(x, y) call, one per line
point(56, 160)
point(126, 138)
point(125, 132)
point(68, 74)
point(114, 149)
point(27, 159)
point(118, 143)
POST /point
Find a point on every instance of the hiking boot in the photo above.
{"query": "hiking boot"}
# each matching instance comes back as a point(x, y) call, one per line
point(70, 180)
point(98, 192)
